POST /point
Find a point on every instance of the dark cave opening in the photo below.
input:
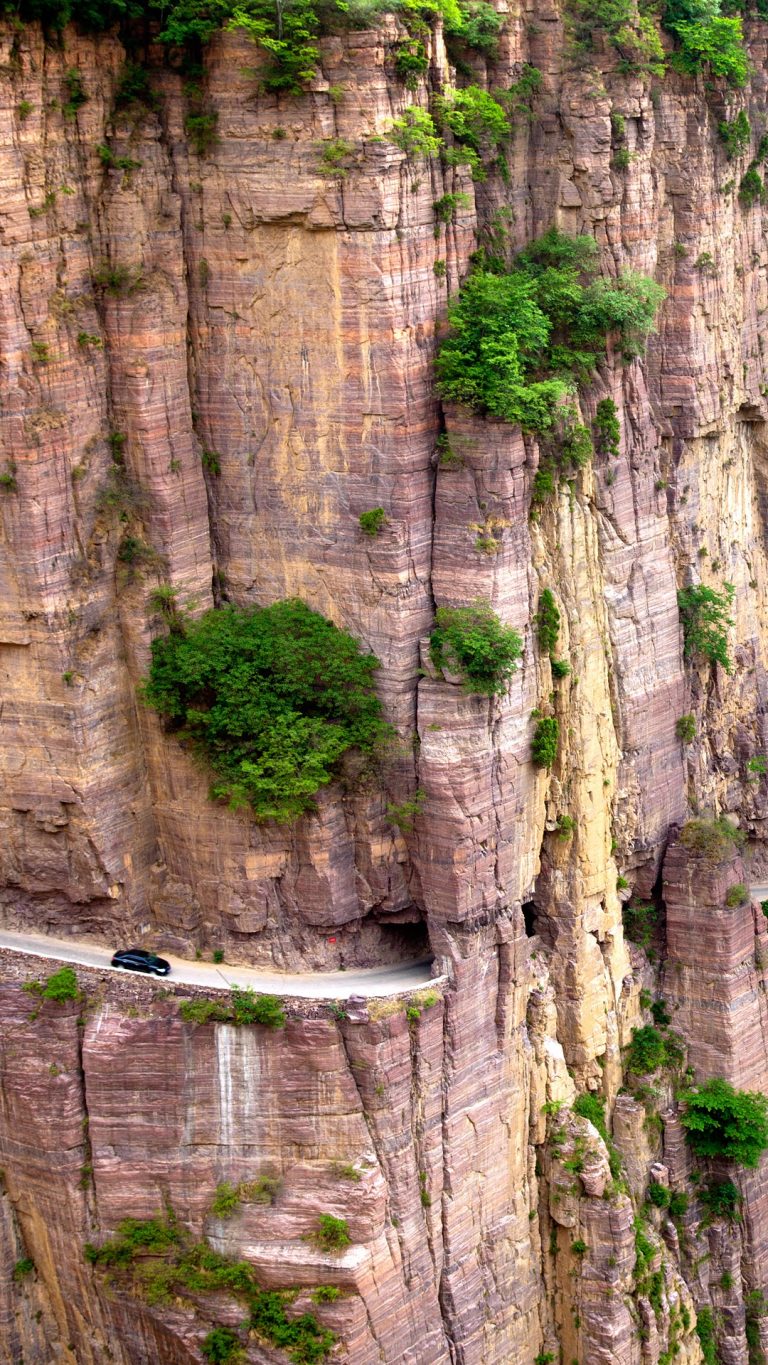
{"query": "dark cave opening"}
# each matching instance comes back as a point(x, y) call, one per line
point(529, 918)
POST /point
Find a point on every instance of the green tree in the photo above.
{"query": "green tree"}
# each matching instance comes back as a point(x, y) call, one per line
point(271, 698)
point(704, 614)
point(721, 1121)
point(472, 642)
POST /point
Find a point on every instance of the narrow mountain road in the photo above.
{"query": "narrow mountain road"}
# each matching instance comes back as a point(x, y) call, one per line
point(367, 982)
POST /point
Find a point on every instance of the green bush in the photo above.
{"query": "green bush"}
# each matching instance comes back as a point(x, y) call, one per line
point(220, 1345)
point(736, 895)
point(60, 986)
point(658, 1195)
point(225, 1200)
point(445, 207)
point(331, 1234)
point(415, 134)
point(326, 1293)
point(547, 621)
point(660, 1013)
point(477, 26)
point(403, 813)
point(271, 697)
point(248, 1008)
point(411, 61)
point(520, 340)
point(607, 428)
point(736, 134)
point(545, 741)
point(159, 1263)
point(243, 1008)
point(650, 1050)
point(713, 839)
point(560, 668)
point(705, 1331)
point(476, 120)
point(22, 1269)
point(685, 729)
point(751, 188)
point(373, 521)
point(704, 614)
point(721, 1199)
point(721, 1121)
point(592, 1107)
point(639, 919)
point(472, 642)
point(716, 43)
point(678, 1204)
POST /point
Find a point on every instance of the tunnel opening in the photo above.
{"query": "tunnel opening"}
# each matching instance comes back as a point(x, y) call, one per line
point(529, 918)
point(409, 941)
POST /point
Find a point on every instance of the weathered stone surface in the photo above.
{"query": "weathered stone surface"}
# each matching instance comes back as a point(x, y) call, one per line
point(286, 322)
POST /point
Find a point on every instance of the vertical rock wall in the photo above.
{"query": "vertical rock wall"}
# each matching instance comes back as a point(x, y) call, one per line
point(240, 311)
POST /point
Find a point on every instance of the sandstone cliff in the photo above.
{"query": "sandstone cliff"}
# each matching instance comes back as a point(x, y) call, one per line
point(211, 364)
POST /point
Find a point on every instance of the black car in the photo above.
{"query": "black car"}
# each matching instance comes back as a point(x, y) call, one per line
point(138, 960)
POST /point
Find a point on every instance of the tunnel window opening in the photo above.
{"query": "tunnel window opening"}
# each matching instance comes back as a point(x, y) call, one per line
point(529, 918)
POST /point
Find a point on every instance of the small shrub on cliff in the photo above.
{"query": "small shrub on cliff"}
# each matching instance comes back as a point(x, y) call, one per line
point(225, 1200)
point(475, 25)
point(651, 1050)
point(721, 1121)
point(472, 642)
point(243, 1007)
point(271, 697)
point(705, 1331)
point(545, 741)
point(547, 621)
point(330, 1233)
point(415, 134)
point(713, 839)
point(403, 813)
point(411, 61)
point(712, 41)
point(373, 521)
point(658, 1195)
point(62, 985)
point(248, 1008)
point(22, 1269)
point(221, 1346)
point(704, 614)
point(735, 134)
point(685, 729)
point(592, 1107)
point(736, 895)
point(751, 188)
point(639, 919)
point(721, 1199)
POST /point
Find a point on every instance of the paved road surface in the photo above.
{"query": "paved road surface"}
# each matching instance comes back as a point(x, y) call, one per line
point(372, 981)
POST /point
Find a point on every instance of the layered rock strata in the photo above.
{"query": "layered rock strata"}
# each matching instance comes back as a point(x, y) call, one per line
point(242, 312)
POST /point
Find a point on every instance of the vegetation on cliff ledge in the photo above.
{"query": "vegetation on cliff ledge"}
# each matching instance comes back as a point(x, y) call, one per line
point(522, 339)
point(157, 1260)
point(721, 1121)
point(272, 698)
point(472, 642)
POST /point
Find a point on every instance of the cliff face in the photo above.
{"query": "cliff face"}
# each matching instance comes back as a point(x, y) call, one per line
point(239, 311)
